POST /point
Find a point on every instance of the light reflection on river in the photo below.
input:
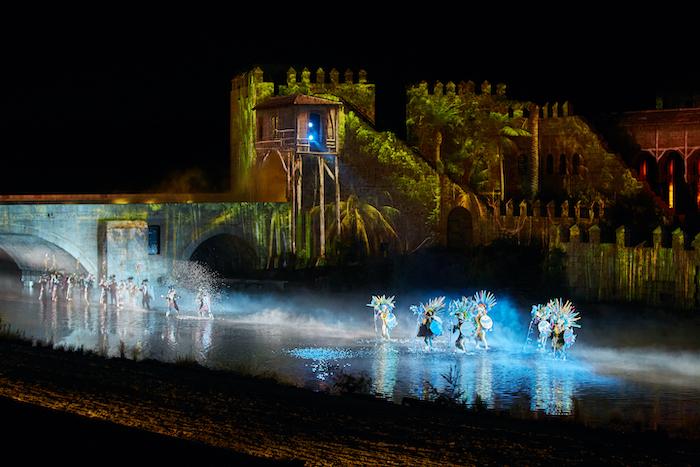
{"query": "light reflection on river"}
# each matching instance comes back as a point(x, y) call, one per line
point(638, 385)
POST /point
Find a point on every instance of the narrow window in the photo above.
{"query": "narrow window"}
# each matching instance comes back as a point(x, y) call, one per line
point(153, 239)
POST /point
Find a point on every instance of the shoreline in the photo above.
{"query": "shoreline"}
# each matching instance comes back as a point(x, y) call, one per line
point(260, 417)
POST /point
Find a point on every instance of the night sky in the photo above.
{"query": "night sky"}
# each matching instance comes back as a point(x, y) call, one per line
point(103, 112)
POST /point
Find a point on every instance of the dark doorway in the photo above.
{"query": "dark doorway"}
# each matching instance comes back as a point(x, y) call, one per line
point(10, 274)
point(648, 171)
point(460, 230)
point(230, 256)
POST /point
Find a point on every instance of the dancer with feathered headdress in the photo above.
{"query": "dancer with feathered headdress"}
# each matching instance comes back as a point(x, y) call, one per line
point(540, 315)
point(460, 310)
point(384, 310)
point(563, 319)
point(429, 323)
point(481, 304)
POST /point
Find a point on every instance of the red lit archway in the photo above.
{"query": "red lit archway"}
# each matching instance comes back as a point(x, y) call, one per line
point(648, 171)
point(671, 177)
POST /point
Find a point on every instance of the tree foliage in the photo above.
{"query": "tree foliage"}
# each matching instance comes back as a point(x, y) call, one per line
point(464, 134)
point(363, 226)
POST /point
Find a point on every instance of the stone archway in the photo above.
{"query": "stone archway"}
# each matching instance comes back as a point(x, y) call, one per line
point(10, 273)
point(227, 254)
point(672, 178)
point(34, 255)
point(460, 229)
point(648, 171)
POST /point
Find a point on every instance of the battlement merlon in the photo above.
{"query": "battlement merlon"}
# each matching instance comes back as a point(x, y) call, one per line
point(462, 89)
point(354, 89)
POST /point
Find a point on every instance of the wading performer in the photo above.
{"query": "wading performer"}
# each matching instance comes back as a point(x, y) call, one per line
point(563, 320)
point(171, 298)
point(481, 304)
point(539, 320)
point(204, 302)
point(460, 310)
point(429, 323)
point(145, 295)
point(384, 311)
point(104, 290)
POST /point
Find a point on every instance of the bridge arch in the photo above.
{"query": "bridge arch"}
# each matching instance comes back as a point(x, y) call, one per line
point(29, 249)
point(34, 255)
point(10, 273)
point(224, 249)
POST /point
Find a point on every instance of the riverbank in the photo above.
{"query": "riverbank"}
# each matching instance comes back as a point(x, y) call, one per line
point(258, 417)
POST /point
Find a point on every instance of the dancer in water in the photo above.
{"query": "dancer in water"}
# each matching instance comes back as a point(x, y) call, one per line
point(131, 291)
point(539, 320)
point(481, 304)
point(55, 281)
point(171, 298)
point(563, 320)
point(104, 290)
point(70, 279)
point(460, 310)
point(43, 285)
point(88, 281)
point(429, 323)
point(146, 294)
point(112, 287)
point(122, 293)
point(384, 311)
point(204, 302)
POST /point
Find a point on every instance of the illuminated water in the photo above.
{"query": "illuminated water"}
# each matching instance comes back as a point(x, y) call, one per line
point(308, 342)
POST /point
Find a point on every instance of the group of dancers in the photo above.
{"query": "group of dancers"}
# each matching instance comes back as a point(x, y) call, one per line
point(55, 285)
point(556, 320)
point(469, 319)
point(202, 300)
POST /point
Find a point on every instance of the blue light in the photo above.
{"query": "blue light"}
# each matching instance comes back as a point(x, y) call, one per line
point(311, 124)
point(311, 137)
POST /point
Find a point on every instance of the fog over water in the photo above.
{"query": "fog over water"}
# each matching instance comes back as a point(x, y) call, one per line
point(640, 366)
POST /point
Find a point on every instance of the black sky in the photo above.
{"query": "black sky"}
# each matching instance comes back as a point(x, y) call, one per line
point(105, 112)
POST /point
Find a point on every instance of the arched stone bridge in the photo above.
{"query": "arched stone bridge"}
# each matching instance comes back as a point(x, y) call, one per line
point(138, 235)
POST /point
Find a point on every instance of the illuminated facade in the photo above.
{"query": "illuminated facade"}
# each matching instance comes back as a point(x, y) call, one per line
point(669, 154)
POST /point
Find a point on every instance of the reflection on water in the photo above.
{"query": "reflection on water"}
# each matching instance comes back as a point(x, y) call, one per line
point(383, 371)
point(324, 362)
point(604, 383)
point(552, 390)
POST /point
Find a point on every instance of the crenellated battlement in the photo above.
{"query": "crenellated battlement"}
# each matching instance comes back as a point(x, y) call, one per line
point(578, 211)
point(466, 88)
point(352, 87)
point(320, 78)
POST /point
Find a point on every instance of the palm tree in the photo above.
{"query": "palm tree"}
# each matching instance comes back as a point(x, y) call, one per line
point(433, 114)
point(360, 223)
point(503, 133)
